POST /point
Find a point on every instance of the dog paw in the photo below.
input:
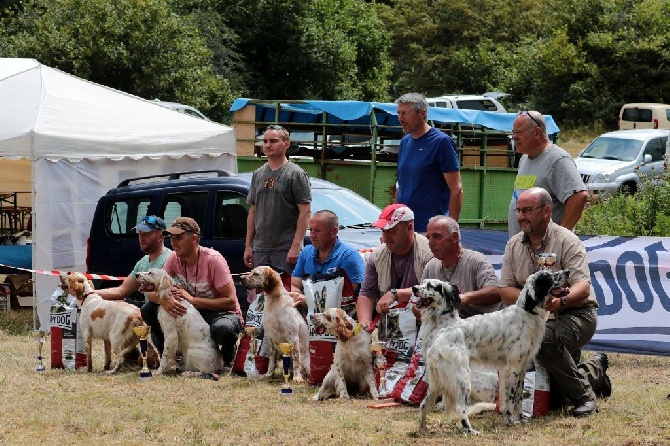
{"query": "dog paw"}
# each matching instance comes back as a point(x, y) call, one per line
point(298, 379)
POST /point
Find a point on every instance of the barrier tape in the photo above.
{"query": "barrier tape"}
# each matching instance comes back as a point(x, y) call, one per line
point(58, 273)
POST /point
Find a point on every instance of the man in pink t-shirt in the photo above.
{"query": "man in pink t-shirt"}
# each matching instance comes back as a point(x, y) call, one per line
point(202, 277)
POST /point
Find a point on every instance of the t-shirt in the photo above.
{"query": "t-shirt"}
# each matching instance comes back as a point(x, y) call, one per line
point(422, 163)
point(276, 195)
point(342, 256)
point(472, 272)
point(553, 170)
point(145, 264)
point(210, 273)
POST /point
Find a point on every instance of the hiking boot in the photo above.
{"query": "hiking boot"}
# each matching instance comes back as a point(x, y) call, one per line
point(585, 409)
point(605, 390)
point(604, 360)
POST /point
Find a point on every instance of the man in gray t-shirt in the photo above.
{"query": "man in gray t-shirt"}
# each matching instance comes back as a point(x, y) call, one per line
point(470, 271)
point(279, 199)
point(548, 166)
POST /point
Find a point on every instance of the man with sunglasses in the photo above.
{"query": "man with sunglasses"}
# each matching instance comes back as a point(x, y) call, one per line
point(150, 235)
point(279, 206)
point(573, 316)
point(548, 166)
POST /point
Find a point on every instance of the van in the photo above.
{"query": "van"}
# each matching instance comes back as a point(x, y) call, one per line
point(644, 116)
point(468, 102)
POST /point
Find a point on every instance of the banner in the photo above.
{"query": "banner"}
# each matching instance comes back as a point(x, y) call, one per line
point(630, 277)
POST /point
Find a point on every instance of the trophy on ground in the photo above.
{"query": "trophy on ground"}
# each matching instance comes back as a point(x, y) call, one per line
point(143, 332)
point(377, 348)
point(250, 363)
point(39, 337)
point(286, 348)
point(546, 260)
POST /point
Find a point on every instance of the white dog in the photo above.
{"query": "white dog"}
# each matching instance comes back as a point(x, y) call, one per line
point(352, 361)
point(281, 320)
point(507, 340)
point(188, 333)
point(110, 321)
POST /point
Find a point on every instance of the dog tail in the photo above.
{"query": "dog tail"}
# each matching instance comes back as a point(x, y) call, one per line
point(478, 408)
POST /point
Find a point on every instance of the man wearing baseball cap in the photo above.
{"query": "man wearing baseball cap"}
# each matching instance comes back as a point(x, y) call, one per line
point(150, 234)
point(394, 267)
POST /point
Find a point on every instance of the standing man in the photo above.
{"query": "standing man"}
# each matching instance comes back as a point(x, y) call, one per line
point(470, 271)
point(150, 235)
point(279, 199)
point(203, 279)
point(548, 166)
point(326, 254)
point(574, 316)
point(394, 267)
point(429, 179)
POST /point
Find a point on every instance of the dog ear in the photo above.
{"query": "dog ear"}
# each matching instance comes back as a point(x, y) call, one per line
point(165, 285)
point(343, 328)
point(272, 280)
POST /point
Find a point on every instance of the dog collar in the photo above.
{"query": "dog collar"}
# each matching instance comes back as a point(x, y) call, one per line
point(85, 296)
point(357, 328)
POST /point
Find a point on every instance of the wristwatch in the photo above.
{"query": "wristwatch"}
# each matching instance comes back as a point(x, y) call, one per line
point(564, 301)
point(395, 294)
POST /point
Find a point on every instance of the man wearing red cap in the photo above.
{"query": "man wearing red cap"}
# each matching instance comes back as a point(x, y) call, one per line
point(394, 267)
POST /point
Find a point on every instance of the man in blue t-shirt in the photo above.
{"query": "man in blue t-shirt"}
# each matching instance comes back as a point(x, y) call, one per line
point(429, 179)
point(325, 255)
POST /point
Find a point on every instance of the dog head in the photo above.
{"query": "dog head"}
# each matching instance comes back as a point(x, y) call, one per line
point(155, 280)
point(433, 296)
point(262, 278)
point(79, 286)
point(539, 286)
point(335, 322)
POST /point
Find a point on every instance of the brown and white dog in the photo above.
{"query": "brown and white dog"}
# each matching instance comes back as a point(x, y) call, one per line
point(110, 321)
point(281, 320)
point(352, 361)
point(188, 333)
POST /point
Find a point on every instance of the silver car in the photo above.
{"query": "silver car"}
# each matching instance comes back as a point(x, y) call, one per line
point(608, 165)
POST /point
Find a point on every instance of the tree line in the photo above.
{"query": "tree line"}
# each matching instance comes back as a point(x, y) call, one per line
point(578, 60)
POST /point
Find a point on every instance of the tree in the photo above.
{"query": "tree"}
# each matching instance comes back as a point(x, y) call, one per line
point(137, 46)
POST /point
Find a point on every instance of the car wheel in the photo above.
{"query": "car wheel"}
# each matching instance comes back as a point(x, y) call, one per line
point(628, 188)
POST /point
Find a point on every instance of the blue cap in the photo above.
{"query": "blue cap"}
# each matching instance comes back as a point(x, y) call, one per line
point(150, 223)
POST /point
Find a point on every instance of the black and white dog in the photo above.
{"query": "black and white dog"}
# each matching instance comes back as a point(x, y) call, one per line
point(506, 340)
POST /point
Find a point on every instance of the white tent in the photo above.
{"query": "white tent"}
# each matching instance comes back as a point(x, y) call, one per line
point(83, 139)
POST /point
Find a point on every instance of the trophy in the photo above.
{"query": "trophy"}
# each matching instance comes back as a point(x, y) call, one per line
point(250, 363)
point(39, 337)
point(546, 260)
point(377, 348)
point(143, 331)
point(286, 348)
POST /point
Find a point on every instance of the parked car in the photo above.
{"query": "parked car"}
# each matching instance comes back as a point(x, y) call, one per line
point(217, 201)
point(467, 101)
point(644, 116)
point(608, 165)
point(181, 108)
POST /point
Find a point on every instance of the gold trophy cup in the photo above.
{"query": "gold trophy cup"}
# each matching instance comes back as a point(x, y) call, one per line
point(250, 363)
point(39, 337)
point(286, 348)
point(546, 260)
point(377, 349)
point(143, 332)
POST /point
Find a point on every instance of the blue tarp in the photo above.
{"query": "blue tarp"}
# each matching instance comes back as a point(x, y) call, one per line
point(358, 112)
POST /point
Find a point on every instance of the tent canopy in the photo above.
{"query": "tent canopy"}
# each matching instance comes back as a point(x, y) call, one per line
point(82, 139)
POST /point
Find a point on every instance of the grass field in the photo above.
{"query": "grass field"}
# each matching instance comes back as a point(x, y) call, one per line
point(59, 407)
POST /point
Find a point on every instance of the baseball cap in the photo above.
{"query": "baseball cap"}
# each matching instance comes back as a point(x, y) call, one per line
point(184, 224)
point(392, 215)
point(150, 223)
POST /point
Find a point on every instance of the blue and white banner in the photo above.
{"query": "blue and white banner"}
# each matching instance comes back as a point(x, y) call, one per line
point(630, 279)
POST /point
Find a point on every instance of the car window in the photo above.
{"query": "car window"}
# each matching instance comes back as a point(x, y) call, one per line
point(191, 204)
point(613, 148)
point(477, 104)
point(122, 216)
point(655, 148)
point(636, 114)
point(230, 215)
point(351, 209)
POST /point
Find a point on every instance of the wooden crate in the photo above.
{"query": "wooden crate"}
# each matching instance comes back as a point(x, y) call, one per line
point(245, 130)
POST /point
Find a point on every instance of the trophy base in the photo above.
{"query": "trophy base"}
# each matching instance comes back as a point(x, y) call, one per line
point(286, 391)
point(40, 368)
point(145, 374)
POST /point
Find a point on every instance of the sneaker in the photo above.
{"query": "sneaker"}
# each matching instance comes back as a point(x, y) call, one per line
point(585, 409)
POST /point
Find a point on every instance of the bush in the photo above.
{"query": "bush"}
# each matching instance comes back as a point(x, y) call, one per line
point(646, 213)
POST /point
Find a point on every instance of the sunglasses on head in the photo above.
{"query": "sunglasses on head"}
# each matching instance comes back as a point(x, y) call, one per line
point(279, 128)
point(149, 219)
point(527, 113)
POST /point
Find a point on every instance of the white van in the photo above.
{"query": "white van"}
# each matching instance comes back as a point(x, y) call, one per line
point(467, 101)
point(644, 116)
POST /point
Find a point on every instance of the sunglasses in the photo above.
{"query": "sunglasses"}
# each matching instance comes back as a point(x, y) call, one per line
point(279, 128)
point(149, 219)
point(527, 113)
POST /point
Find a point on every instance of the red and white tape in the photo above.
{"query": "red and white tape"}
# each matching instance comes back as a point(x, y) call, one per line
point(58, 273)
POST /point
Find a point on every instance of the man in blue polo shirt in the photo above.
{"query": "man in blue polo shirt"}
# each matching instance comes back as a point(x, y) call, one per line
point(325, 255)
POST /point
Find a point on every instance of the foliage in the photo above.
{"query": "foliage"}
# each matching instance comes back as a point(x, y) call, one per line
point(16, 322)
point(646, 213)
point(137, 46)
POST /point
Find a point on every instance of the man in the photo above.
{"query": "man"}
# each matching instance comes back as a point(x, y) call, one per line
point(279, 199)
point(548, 166)
point(470, 271)
point(429, 179)
point(150, 235)
point(394, 267)
point(202, 278)
point(573, 317)
point(326, 254)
